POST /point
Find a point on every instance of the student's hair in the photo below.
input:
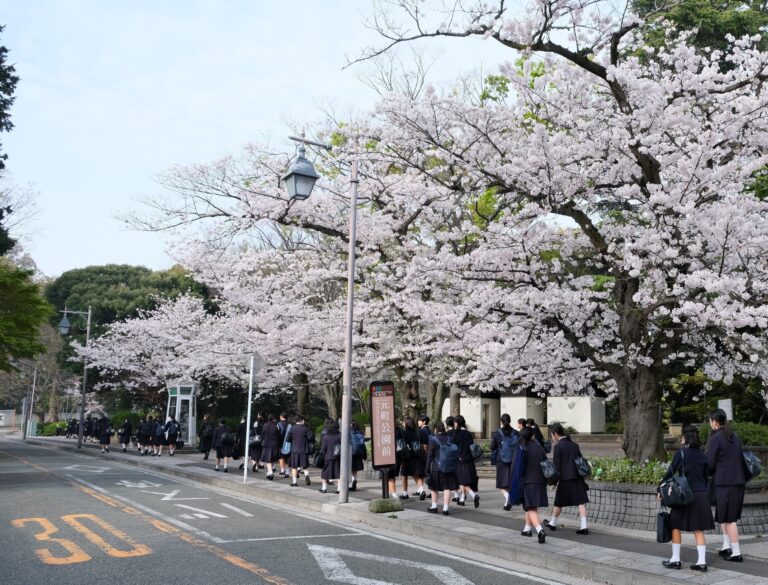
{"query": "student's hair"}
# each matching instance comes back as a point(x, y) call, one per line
point(461, 422)
point(271, 417)
point(299, 418)
point(718, 415)
point(410, 424)
point(439, 428)
point(355, 426)
point(425, 419)
point(506, 427)
point(284, 415)
point(450, 422)
point(691, 434)
point(522, 422)
point(526, 434)
point(558, 429)
point(332, 427)
point(530, 422)
point(222, 421)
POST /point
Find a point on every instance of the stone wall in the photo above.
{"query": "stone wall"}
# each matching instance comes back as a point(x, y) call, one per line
point(634, 506)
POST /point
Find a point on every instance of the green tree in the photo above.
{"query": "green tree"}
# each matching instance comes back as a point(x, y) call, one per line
point(8, 81)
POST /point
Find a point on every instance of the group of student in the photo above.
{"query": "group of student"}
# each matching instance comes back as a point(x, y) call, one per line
point(152, 434)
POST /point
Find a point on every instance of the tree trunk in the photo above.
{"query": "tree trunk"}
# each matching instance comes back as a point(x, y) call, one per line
point(302, 395)
point(639, 400)
point(333, 399)
point(455, 400)
point(437, 392)
point(413, 406)
point(53, 410)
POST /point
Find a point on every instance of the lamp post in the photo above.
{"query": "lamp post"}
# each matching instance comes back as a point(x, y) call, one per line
point(300, 179)
point(64, 329)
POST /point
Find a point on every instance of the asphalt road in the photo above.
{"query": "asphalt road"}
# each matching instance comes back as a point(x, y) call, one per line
point(66, 518)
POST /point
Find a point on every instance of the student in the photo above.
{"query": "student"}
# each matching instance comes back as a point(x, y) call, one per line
point(696, 517)
point(571, 487)
point(144, 435)
point(173, 428)
point(124, 434)
point(256, 439)
point(301, 438)
point(242, 437)
point(413, 466)
point(158, 437)
point(331, 450)
point(223, 442)
point(105, 434)
point(535, 485)
point(439, 481)
point(283, 426)
point(206, 436)
point(359, 452)
point(466, 474)
point(726, 463)
point(505, 435)
point(270, 445)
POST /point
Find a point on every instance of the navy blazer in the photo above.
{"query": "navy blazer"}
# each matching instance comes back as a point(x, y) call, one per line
point(463, 438)
point(328, 446)
point(533, 472)
point(300, 438)
point(724, 459)
point(693, 463)
point(564, 457)
point(271, 435)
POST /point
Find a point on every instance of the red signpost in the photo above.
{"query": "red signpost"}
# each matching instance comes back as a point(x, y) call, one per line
point(383, 425)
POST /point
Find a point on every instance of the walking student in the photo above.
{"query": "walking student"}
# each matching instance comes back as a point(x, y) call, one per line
point(206, 436)
point(413, 466)
point(535, 485)
point(270, 445)
point(331, 449)
point(439, 480)
point(726, 464)
point(223, 442)
point(173, 428)
point(359, 452)
point(144, 435)
point(696, 517)
point(503, 445)
point(124, 434)
point(158, 437)
point(466, 473)
point(301, 439)
point(105, 434)
point(283, 426)
point(571, 488)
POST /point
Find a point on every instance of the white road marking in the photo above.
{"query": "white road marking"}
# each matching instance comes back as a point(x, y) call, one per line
point(171, 496)
point(297, 537)
point(337, 571)
point(88, 468)
point(187, 517)
point(209, 514)
point(137, 484)
point(236, 509)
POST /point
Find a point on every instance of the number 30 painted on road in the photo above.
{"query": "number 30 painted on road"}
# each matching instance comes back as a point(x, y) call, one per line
point(78, 555)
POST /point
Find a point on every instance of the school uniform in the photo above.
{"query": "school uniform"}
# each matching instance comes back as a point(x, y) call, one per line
point(571, 488)
point(270, 442)
point(725, 462)
point(254, 448)
point(105, 432)
point(300, 446)
point(222, 450)
point(358, 461)
point(697, 515)
point(124, 432)
point(414, 465)
point(466, 472)
point(206, 436)
point(534, 483)
point(437, 480)
point(328, 447)
point(503, 470)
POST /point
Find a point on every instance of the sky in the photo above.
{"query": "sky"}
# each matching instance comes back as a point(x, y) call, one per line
point(114, 93)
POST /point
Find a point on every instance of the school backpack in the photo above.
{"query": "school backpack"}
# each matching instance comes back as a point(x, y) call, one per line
point(159, 429)
point(447, 456)
point(508, 445)
point(173, 427)
point(358, 443)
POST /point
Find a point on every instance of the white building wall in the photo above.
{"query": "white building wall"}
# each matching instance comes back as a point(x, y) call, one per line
point(523, 407)
point(482, 414)
point(586, 414)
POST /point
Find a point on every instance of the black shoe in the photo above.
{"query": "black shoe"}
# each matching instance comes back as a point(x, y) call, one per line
point(123, 449)
point(702, 568)
point(461, 503)
point(225, 470)
point(735, 559)
point(477, 501)
point(242, 466)
point(422, 496)
point(507, 507)
point(353, 487)
point(404, 496)
point(446, 513)
point(171, 453)
point(726, 552)
point(456, 499)
point(583, 531)
point(542, 537)
point(552, 527)
point(254, 469)
point(432, 510)
point(322, 491)
point(672, 564)
point(107, 449)
point(216, 469)
point(294, 485)
point(205, 457)
point(270, 477)
point(526, 533)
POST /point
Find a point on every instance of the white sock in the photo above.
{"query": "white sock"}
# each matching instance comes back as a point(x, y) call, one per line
point(462, 497)
point(445, 508)
point(421, 489)
point(433, 507)
point(471, 494)
point(527, 528)
point(405, 492)
point(553, 521)
point(539, 529)
point(735, 549)
point(506, 495)
point(726, 542)
point(702, 550)
point(583, 522)
point(675, 553)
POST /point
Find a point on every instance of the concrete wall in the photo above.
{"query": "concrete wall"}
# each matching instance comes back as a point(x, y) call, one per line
point(9, 418)
point(482, 414)
point(523, 407)
point(586, 414)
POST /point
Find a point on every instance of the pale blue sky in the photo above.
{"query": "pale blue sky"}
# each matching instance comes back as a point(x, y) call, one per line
point(113, 93)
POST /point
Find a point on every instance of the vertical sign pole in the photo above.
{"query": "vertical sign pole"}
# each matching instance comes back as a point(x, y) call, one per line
point(248, 423)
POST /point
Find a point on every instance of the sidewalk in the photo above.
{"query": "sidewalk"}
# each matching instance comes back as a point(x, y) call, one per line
point(607, 554)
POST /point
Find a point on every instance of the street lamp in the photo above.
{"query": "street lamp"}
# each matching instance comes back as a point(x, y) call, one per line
point(64, 327)
point(300, 179)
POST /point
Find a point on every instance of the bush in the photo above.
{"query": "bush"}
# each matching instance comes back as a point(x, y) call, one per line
point(614, 428)
point(49, 429)
point(623, 470)
point(751, 434)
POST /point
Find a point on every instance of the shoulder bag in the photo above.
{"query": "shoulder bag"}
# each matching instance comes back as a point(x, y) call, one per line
point(675, 491)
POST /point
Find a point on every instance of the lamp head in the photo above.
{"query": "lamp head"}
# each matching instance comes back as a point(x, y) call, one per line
point(64, 325)
point(301, 176)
